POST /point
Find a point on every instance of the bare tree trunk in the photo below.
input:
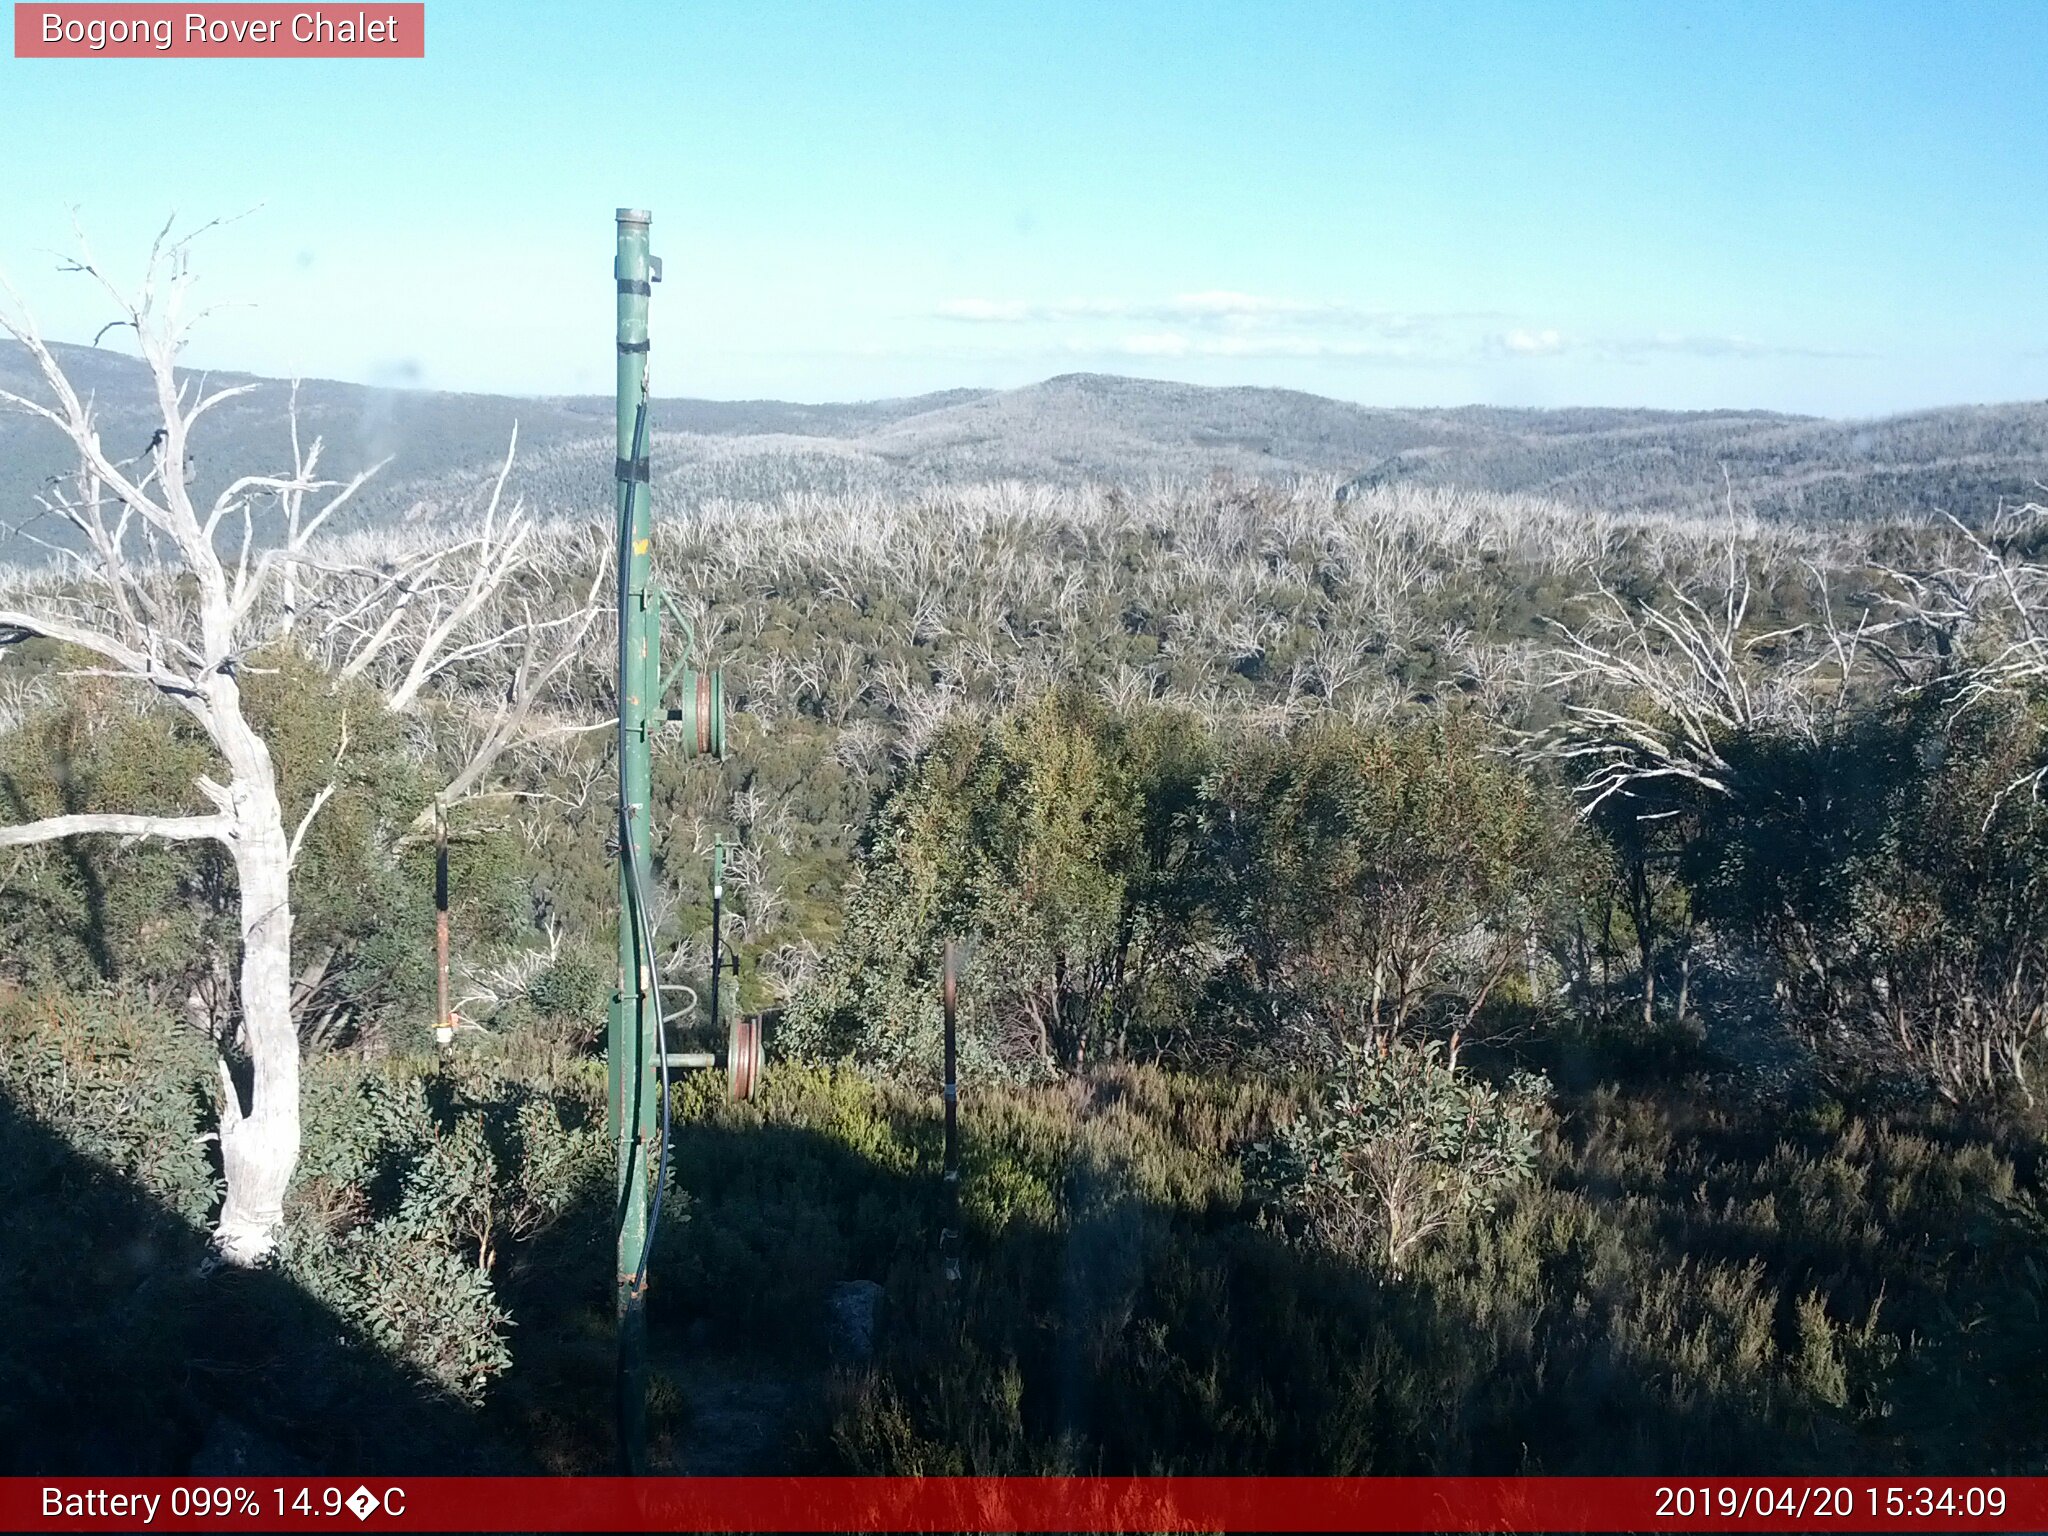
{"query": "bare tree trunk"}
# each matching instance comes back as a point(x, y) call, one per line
point(1685, 974)
point(1607, 954)
point(1643, 918)
point(179, 616)
point(259, 1139)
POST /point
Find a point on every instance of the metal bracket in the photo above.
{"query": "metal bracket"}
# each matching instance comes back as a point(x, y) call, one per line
point(660, 594)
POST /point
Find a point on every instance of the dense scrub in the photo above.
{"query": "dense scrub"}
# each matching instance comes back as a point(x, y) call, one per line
point(1690, 1282)
point(1400, 1035)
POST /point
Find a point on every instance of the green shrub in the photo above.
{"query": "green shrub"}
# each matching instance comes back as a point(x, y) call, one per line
point(1896, 874)
point(1054, 840)
point(1370, 875)
point(574, 987)
point(158, 918)
point(88, 911)
point(412, 1187)
point(424, 1303)
point(125, 1083)
point(1399, 1143)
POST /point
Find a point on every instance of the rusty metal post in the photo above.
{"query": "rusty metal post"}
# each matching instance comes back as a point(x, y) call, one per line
point(444, 1021)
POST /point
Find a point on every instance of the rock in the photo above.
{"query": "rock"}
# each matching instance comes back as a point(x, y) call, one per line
point(855, 1308)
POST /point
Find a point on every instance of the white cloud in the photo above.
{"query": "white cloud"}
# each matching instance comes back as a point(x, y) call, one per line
point(1254, 344)
point(1228, 323)
point(1713, 346)
point(984, 310)
point(1529, 342)
point(1533, 343)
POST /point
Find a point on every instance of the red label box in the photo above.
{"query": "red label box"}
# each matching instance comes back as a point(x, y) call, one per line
point(105, 30)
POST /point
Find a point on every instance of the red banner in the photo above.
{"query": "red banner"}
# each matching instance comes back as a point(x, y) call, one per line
point(119, 31)
point(1024, 1504)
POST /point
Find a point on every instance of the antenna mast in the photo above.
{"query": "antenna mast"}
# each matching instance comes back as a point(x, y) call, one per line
point(632, 1044)
point(637, 1052)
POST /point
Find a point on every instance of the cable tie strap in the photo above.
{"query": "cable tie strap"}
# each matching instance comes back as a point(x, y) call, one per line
point(637, 285)
point(633, 346)
point(632, 469)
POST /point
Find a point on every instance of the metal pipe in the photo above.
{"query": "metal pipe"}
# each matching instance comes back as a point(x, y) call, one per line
point(717, 932)
point(630, 1036)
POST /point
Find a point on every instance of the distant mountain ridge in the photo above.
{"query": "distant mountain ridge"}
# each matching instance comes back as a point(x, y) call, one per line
point(1067, 429)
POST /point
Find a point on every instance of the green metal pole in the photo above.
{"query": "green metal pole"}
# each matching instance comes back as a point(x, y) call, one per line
point(631, 1036)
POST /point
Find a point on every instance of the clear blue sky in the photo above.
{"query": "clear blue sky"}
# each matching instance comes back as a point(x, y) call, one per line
point(1830, 208)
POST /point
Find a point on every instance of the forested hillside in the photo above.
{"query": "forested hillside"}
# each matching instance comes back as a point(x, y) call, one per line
point(1457, 984)
point(438, 448)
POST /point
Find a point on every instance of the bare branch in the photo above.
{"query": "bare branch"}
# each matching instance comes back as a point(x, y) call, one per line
point(306, 821)
point(115, 824)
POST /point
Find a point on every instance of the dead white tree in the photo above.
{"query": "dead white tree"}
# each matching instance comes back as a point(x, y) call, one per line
point(155, 590)
point(167, 595)
point(417, 622)
point(1978, 610)
point(1655, 692)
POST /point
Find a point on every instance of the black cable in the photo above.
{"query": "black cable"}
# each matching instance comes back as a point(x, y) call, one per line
point(717, 937)
point(638, 904)
point(661, 1056)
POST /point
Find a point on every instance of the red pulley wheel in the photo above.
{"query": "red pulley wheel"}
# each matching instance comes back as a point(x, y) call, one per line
point(743, 1057)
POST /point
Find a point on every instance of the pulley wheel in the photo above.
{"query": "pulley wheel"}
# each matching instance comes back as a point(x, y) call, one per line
point(743, 1057)
point(707, 733)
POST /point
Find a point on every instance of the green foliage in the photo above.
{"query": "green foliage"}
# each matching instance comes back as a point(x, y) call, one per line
point(413, 1186)
point(1896, 871)
point(1687, 1283)
point(159, 917)
point(575, 987)
point(1052, 840)
point(129, 1086)
point(420, 1302)
point(815, 1180)
point(408, 1192)
point(1674, 1286)
point(1129, 879)
point(1369, 875)
point(96, 909)
point(1399, 1143)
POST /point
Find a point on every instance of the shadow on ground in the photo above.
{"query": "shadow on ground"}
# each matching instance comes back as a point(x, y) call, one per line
point(1093, 1331)
point(121, 1359)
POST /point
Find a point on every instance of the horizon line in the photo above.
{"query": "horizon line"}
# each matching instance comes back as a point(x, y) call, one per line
point(559, 396)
